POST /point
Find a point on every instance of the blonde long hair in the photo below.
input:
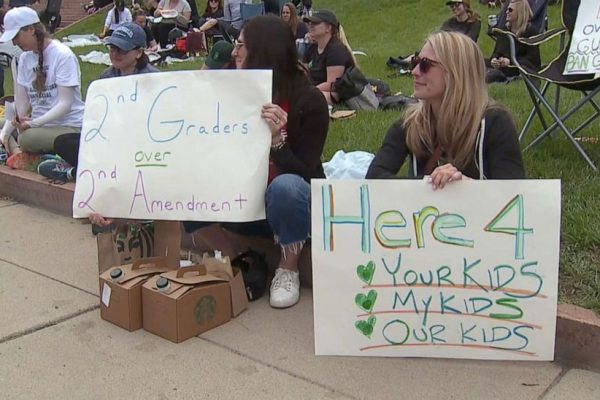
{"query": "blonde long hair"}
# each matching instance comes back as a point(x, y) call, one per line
point(523, 14)
point(340, 35)
point(464, 102)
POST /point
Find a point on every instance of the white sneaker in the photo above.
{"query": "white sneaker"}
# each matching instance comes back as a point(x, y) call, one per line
point(285, 288)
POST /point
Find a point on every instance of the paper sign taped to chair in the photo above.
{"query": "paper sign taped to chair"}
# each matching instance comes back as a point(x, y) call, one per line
point(470, 271)
point(175, 146)
point(584, 53)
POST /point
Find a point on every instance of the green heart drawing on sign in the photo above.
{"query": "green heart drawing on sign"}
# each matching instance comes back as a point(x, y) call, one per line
point(365, 273)
point(366, 327)
point(366, 302)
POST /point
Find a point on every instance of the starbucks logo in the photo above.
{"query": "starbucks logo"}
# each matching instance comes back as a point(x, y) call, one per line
point(205, 310)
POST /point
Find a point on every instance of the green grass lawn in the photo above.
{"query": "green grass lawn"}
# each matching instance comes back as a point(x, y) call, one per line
point(384, 28)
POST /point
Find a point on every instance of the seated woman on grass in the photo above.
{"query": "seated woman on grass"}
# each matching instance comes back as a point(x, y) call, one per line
point(174, 13)
point(463, 20)
point(329, 56)
point(455, 132)
point(48, 83)
point(116, 16)
point(500, 68)
point(126, 50)
point(140, 19)
point(298, 120)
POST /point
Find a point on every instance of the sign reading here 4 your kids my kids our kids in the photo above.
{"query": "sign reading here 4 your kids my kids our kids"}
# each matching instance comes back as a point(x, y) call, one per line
point(469, 271)
point(188, 146)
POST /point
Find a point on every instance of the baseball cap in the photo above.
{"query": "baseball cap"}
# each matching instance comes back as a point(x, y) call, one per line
point(323, 16)
point(127, 37)
point(465, 2)
point(219, 55)
point(16, 19)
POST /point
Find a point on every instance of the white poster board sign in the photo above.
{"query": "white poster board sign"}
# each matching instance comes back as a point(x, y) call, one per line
point(470, 271)
point(584, 53)
point(185, 145)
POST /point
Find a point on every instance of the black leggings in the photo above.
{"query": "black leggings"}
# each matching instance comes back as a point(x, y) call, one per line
point(67, 146)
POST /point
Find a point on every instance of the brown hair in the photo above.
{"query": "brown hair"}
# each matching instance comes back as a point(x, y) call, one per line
point(208, 10)
point(40, 33)
point(293, 23)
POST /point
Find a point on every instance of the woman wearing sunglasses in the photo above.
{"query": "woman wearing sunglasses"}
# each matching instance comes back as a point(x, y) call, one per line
point(298, 120)
point(455, 131)
point(518, 15)
point(463, 20)
point(126, 51)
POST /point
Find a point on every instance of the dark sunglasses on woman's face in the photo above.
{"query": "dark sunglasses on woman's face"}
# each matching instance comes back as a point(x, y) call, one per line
point(453, 6)
point(510, 9)
point(424, 63)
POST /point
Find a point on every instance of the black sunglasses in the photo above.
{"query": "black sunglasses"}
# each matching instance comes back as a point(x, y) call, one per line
point(510, 9)
point(424, 63)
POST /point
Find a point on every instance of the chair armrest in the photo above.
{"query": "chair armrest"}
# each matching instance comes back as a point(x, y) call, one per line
point(542, 37)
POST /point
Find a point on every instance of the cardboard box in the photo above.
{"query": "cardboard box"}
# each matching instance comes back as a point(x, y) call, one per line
point(121, 291)
point(197, 299)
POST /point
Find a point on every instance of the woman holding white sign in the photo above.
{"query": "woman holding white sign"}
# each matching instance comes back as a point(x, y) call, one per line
point(298, 120)
point(455, 131)
point(48, 83)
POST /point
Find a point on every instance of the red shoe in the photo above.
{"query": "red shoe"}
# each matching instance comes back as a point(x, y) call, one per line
point(22, 160)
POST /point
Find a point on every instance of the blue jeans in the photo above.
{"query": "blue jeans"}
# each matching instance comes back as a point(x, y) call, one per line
point(288, 213)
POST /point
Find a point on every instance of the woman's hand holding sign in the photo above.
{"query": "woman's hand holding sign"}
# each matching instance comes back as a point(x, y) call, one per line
point(445, 174)
point(276, 119)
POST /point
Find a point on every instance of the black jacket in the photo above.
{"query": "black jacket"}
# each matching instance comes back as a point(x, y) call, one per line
point(308, 121)
point(501, 151)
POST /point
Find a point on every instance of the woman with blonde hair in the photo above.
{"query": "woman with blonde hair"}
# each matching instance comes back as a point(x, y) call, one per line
point(455, 131)
point(518, 16)
point(328, 57)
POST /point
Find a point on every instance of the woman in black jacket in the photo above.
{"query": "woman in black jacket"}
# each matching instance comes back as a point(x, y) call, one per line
point(298, 120)
point(454, 132)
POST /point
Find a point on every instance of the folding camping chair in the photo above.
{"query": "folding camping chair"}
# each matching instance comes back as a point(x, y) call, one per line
point(249, 11)
point(552, 73)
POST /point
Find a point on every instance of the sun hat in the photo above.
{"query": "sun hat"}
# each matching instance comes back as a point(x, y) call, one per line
point(127, 37)
point(16, 19)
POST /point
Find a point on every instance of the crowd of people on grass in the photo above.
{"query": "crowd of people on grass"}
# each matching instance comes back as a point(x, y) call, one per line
point(454, 132)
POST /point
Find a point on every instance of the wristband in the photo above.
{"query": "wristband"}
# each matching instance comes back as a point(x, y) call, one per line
point(279, 145)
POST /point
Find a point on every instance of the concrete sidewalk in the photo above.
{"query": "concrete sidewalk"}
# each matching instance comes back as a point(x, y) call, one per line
point(53, 343)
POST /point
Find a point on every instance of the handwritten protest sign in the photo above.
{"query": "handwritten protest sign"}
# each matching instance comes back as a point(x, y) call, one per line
point(470, 271)
point(584, 53)
point(175, 146)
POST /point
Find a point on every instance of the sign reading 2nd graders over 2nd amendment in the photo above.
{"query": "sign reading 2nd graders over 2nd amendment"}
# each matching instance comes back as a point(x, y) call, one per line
point(470, 271)
point(175, 146)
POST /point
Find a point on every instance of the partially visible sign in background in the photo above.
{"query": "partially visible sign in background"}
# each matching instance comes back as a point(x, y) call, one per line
point(584, 53)
point(175, 146)
point(470, 271)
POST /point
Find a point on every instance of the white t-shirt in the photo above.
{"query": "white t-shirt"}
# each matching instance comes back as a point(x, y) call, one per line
point(124, 16)
point(62, 69)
